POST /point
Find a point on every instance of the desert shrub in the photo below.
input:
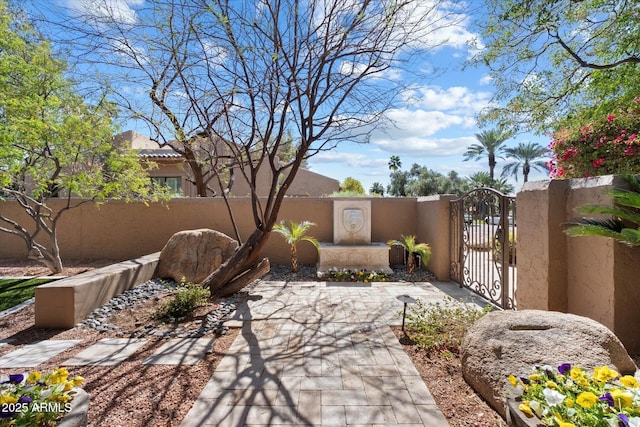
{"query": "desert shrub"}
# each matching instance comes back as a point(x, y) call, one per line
point(440, 326)
point(602, 146)
point(187, 297)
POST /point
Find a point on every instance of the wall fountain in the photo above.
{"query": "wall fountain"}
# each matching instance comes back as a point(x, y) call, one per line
point(352, 247)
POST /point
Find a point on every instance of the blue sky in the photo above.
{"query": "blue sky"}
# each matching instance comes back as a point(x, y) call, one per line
point(433, 129)
point(434, 122)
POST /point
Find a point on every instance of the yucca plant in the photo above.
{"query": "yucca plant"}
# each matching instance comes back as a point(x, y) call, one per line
point(624, 227)
point(293, 233)
point(409, 244)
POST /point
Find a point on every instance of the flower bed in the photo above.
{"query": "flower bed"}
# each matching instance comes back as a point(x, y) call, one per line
point(569, 397)
point(347, 275)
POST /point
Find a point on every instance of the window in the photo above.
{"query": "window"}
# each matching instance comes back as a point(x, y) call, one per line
point(173, 183)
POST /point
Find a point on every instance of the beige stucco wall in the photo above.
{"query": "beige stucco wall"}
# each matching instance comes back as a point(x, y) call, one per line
point(542, 279)
point(434, 228)
point(594, 277)
point(120, 231)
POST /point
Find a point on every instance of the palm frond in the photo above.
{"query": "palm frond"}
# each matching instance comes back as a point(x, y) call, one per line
point(631, 215)
point(612, 225)
point(632, 236)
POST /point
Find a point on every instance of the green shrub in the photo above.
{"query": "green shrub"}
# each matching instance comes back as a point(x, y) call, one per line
point(440, 327)
point(187, 298)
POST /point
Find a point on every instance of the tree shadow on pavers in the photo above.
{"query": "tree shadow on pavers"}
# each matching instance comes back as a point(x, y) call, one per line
point(282, 363)
point(175, 384)
point(462, 294)
point(33, 334)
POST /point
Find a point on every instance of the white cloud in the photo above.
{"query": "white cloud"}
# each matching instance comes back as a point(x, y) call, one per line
point(425, 147)
point(456, 98)
point(440, 24)
point(121, 11)
point(486, 80)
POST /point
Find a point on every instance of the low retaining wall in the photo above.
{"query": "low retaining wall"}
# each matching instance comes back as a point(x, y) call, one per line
point(67, 302)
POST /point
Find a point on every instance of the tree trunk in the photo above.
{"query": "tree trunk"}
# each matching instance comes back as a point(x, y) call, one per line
point(294, 259)
point(254, 273)
point(411, 263)
point(246, 258)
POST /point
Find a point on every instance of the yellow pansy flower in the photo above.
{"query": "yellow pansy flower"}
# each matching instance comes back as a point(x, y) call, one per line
point(569, 402)
point(513, 380)
point(77, 380)
point(629, 381)
point(59, 376)
point(587, 399)
point(535, 377)
point(525, 409)
point(34, 377)
point(551, 385)
point(621, 399)
point(576, 373)
point(603, 373)
point(7, 399)
point(567, 425)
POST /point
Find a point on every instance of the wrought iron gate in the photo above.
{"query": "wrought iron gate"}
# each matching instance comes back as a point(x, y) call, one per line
point(483, 245)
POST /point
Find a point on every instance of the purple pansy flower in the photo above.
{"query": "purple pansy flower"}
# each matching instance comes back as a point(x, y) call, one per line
point(564, 368)
point(16, 378)
point(25, 399)
point(623, 420)
point(607, 397)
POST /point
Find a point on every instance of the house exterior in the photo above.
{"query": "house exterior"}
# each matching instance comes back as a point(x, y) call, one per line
point(172, 171)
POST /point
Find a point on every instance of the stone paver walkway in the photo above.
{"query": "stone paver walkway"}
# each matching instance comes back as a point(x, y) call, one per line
point(34, 354)
point(107, 352)
point(317, 355)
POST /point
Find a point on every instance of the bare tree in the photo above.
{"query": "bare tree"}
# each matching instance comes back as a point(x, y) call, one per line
point(245, 75)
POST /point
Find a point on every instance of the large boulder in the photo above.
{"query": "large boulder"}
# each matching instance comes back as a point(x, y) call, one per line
point(513, 342)
point(194, 254)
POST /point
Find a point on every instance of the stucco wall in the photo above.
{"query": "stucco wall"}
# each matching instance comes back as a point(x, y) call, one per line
point(594, 277)
point(434, 228)
point(120, 231)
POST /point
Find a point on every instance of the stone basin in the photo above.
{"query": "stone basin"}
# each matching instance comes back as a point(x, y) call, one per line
point(371, 257)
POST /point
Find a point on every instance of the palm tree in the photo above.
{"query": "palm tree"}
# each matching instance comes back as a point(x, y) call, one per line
point(527, 155)
point(626, 208)
point(294, 233)
point(394, 163)
point(376, 188)
point(490, 144)
point(409, 244)
point(482, 179)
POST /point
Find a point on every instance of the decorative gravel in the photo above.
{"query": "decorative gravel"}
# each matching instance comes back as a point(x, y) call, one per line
point(99, 319)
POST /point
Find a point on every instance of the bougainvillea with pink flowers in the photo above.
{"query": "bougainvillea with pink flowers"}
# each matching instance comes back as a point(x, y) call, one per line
point(606, 145)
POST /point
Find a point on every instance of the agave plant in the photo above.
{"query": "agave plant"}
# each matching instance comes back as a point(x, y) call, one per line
point(293, 233)
point(413, 249)
point(624, 227)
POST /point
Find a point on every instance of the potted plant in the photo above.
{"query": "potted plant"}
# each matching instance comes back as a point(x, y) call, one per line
point(43, 400)
point(293, 233)
point(412, 248)
point(568, 396)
